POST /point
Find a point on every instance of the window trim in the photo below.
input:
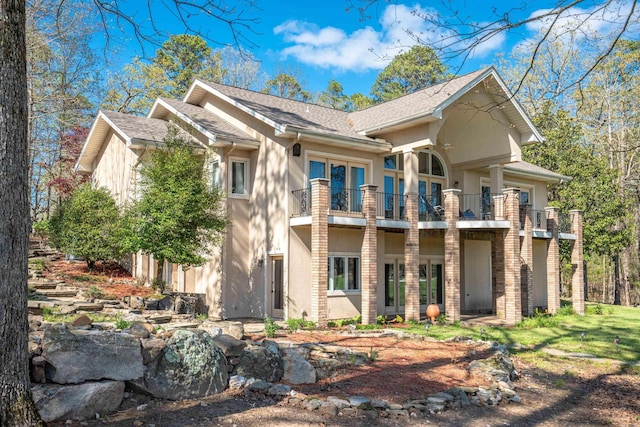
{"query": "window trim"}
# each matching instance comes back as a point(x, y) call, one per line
point(247, 189)
point(346, 291)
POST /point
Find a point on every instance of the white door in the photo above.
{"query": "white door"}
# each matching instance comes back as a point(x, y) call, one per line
point(477, 275)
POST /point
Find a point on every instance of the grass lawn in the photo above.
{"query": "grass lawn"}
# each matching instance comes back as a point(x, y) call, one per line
point(593, 333)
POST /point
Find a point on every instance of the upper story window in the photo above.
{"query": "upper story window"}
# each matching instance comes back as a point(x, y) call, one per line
point(215, 173)
point(345, 177)
point(395, 162)
point(429, 164)
point(239, 177)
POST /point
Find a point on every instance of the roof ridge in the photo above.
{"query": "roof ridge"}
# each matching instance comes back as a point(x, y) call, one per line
point(269, 95)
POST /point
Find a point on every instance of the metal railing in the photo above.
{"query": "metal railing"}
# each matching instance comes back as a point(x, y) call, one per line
point(564, 222)
point(301, 202)
point(478, 207)
point(430, 208)
point(538, 218)
point(391, 206)
point(345, 200)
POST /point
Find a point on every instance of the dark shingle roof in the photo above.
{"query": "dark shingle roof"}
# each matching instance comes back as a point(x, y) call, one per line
point(213, 124)
point(531, 169)
point(135, 127)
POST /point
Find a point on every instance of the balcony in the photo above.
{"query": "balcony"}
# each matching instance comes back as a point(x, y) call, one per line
point(481, 207)
point(538, 217)
point(391, 206)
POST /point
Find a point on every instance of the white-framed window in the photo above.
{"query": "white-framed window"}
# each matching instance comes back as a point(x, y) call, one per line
point(215, 174)
point(238, 177)
point(344, 273)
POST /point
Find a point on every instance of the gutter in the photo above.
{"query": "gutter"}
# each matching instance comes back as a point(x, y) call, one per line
point(377, 146)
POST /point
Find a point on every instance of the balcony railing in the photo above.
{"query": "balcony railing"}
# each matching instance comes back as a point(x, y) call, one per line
point(564, 223)
point(430, 208)
point(538, 217)
point(301, 202)
point(478, 207)
point(345, 200)
point(391, 206)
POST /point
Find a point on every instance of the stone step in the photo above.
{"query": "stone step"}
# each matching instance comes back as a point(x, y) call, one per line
point(88, 306)
point(40, 284)
point(183, 325)
point(158, 319)
point(58, 292)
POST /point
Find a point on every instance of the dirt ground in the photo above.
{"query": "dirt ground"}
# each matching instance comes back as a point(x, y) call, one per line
point(558, 393)
point(554, 392)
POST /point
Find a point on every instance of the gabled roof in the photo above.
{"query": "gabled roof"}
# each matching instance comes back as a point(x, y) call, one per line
point(533, 171)
point(287, 116)
point(428, 104)
point(210, 125)
point(132, 130)
point(290, 116)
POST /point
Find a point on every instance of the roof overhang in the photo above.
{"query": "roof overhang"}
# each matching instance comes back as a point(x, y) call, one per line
point(199, 88)
point(101, 127)
point(373, 146)
point(551, 178)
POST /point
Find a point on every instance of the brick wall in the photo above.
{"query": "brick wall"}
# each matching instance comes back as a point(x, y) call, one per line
point(577, 279)
point(369, 256)
point(553, 261)
point(319, 249)
point(452, 255)
point(513, 298)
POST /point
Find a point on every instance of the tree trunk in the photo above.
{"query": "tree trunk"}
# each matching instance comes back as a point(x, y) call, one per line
point(16, 403)
point(159, 274)
point(616, 280)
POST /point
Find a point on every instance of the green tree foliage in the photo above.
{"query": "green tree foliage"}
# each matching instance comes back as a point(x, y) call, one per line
point(180, 60)
point(89, 225)
point(360, 101)
point(408, 72)
point(592, 188)
point(335, 97)
point(179, 217)
point(286, 86)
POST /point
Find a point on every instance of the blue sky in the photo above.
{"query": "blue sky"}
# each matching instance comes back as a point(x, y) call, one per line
point(322, 41)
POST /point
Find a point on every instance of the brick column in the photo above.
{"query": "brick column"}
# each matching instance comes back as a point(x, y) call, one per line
point(526, 272)
point(577, 278)
point(369, 256)
point(498, 269)
point(451, 254)
point(553, 261)
point(319, 249)
point(411, 238)
point(512, 290)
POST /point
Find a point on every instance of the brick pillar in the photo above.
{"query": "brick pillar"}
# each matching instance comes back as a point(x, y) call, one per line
point(577, 278)
point(526, 272)
point(411, 238)
point(451, 254)
point(319, 249)
point(369, 256)
point(553, 261)
point(512, 290)
point(498, 269)
point(412, 260)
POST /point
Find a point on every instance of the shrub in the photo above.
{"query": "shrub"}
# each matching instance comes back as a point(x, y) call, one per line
point(595, 309)
point(565, 310)
point(442, 319)
point(295, 324)
point(381, 319)
point(121, 323)
point(270, 327)
point(399, 319)
point(538, 320)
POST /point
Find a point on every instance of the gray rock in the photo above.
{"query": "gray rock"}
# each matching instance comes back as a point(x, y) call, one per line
point(398, 412)
point(434, 408)
point(379, 404)
point(189, 366)
point(237, 381)
point(260, 385)
point(77, 402)
point(446, 396)
point(313, 404)
point(298, 371)
point(515, 399)
point(77, 356)
point(235, 329)
point(166, 304)
point(395, 406)
point(151, 349)
point(279, 390)
point(359, 401)
point(260, 362)
point(230, 346)
point(329, 408)
point(339, 403)
point(141, 329)
point(434, 400)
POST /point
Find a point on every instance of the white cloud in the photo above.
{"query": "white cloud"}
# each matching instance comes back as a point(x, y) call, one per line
point(367, 49)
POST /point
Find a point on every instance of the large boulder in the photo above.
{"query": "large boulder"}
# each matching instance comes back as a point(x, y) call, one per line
point(262, 362)
point(78, 402)
point(75, 356)
point(190, 365)
point(297, 370)
point(228, 327)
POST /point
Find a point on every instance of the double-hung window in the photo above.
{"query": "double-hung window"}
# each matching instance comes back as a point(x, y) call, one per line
point(344, 273)
point(238, 177)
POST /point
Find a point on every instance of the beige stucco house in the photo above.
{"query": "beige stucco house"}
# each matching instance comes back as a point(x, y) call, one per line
point(421, 200)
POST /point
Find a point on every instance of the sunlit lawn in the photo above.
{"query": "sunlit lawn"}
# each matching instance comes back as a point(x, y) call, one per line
point(563, 332)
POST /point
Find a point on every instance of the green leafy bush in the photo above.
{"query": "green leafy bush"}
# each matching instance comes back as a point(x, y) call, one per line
point(270, 327)
point(295, 324)
point(121, 323)
point(94, 292)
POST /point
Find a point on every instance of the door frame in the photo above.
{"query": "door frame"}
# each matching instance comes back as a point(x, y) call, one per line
point(272, 309)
